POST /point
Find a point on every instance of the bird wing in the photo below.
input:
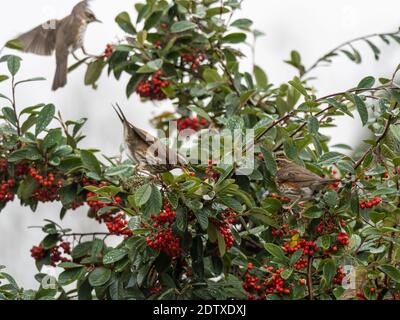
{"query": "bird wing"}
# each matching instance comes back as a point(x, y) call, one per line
point(40, 40)
point(163, 152)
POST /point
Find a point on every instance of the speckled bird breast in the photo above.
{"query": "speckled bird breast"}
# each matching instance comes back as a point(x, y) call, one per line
point(80, 35)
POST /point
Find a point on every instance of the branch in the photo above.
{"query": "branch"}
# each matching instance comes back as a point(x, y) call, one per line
point(355, 90)
point(371, 148)
point(344, 44)
point(14, 105)
point(309, 279)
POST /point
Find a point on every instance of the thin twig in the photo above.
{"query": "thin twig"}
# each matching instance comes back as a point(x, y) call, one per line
point(309, 279)
point(342, 45)
point(371, 148)
point(14, 105)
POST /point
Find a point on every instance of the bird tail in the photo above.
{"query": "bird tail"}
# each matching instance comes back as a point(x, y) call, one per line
point(60, 78)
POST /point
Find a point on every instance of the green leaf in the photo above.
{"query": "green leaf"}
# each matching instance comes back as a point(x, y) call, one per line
point(313, 125)
point(202, 218)
point(90, 162)
point(153, 206)
point(361, 108)
point(13, 64)
point(275, 251)
point(270, 161)
point(395, 131)
point(142, 195)
point(345, 165)
point(52, 138)
point(10, 115)
point(3, 78)
point(271, 205)
point(99, 276)
point(261, 77)
point(211, 76)
point(221, 244)
point(391, 271)
point(125, 23)
point(94, 71)
point(367, 82)
point(296, 256)
point(313, 213)
point(151, 66)
point(234, 38)
point(31, 80)
point(182, 26)
point(329, 270)
point(81, 250)
point(15, 44)
point(28, 153)
point(242, 24)
point(71, 275)
point(200, 112)
point(297, 84)
point(44, 118)
point(330, 198)
point(114, 256)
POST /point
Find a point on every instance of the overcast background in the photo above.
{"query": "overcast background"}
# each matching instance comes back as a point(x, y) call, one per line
point(312, 27)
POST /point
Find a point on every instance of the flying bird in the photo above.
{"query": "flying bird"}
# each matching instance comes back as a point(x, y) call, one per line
point(148, 151)
point(63, 36)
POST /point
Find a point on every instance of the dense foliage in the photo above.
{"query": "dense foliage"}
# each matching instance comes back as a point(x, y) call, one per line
point(210, 233)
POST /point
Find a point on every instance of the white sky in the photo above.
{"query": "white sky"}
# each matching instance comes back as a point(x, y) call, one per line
point(312, 27)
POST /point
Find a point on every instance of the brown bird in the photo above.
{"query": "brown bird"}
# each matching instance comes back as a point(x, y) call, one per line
point(64, 36)
point(149, 152)
point(295, 180)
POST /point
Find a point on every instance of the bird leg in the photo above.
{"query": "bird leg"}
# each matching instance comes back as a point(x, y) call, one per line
point(292, 205)
point(87, 54)
point(75, 56)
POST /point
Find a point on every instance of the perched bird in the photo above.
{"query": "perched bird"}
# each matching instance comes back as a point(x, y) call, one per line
point(148, 151)
point(296, 180)
point(64, 36)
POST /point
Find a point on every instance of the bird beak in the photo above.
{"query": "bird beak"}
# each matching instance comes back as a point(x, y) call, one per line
point(97, 20)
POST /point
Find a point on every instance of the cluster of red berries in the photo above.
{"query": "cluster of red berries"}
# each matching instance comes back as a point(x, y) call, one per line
point(309, 248)
point(48, 191)
point(157, 44)
point(38, 253)
point(230, 216)
point(343, 238)
point(211, 173)
point(340, 275)
point(56, 253)
point(281, 232)
point(194, 124)
point(281, 198)
point(193, 61)
point(6, 192)
point(164, 239)
point(152, 88)
point(115, 222)
point(225, 231)
point(76, 204)
point(156, 290)
point(329, 225)
point(117, 225)
point(96, 205)
point(109, 51)
point(273, 283)
point(3, 165)
point(368, 204)
point(22, 168)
